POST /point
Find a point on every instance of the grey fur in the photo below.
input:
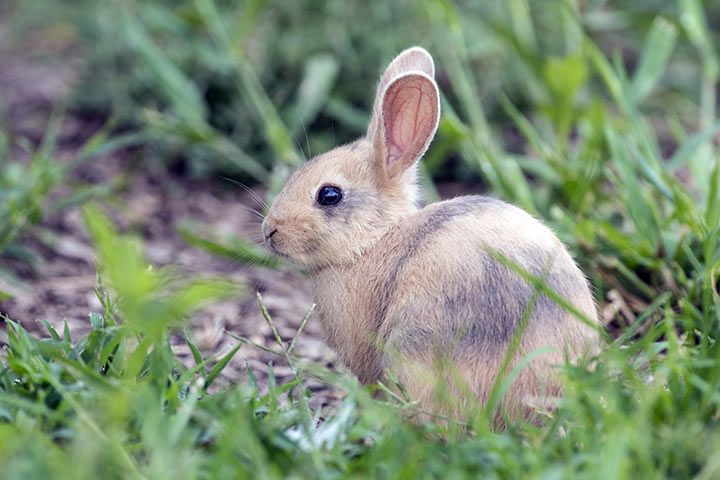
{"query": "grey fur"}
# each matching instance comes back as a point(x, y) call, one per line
point(483, 314)
point(433, 222)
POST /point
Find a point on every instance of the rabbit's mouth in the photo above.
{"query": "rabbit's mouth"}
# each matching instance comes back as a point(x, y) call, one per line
point(292, 252)
point(271, 245)
point(289, 243)
point(274, 246)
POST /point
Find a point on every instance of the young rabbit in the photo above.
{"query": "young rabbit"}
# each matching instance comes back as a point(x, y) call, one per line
point(426, 294)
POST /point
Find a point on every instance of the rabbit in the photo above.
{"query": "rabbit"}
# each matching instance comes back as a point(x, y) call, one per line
point(420, 295)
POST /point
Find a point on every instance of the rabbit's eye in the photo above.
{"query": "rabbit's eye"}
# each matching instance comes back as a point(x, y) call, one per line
point(329, 195)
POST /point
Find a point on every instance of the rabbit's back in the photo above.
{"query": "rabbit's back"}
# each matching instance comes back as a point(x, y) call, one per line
point(449, 280)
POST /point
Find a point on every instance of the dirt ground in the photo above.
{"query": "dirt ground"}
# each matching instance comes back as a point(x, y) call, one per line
point(151, 203)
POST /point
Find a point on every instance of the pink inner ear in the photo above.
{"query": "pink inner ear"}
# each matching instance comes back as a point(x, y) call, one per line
point(410, 111)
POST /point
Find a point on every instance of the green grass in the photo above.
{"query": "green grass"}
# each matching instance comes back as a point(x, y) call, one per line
point(31, 181)
point(25, 188)
point(598, 118)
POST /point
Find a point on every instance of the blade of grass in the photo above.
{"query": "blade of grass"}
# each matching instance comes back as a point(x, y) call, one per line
point(220, 366)
point(659, 44)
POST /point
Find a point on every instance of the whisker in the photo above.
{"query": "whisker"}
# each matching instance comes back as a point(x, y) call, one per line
point(253, 223)
point(245, 267)
point(252, 233)
point(257, 216)
point(250, 191)
point(256, 213)
point(307, 139)
point(298, 145)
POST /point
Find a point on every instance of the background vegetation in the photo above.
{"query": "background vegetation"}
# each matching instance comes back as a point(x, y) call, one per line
point(599, 117)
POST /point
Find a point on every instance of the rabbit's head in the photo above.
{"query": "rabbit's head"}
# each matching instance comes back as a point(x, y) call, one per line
point(340, 203)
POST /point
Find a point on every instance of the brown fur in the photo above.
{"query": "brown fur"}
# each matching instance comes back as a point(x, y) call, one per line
point(400, 288)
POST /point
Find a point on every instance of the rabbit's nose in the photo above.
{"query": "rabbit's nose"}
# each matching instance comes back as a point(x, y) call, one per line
point(269, 228)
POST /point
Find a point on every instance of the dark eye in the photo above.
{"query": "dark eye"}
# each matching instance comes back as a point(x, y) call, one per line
point(329, 195)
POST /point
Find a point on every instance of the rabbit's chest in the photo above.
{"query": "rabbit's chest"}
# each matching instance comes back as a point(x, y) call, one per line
point(347, 313)
point(343, 301)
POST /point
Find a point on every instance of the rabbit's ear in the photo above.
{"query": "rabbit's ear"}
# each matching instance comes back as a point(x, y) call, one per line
point(414, 59)
point(408, 118)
